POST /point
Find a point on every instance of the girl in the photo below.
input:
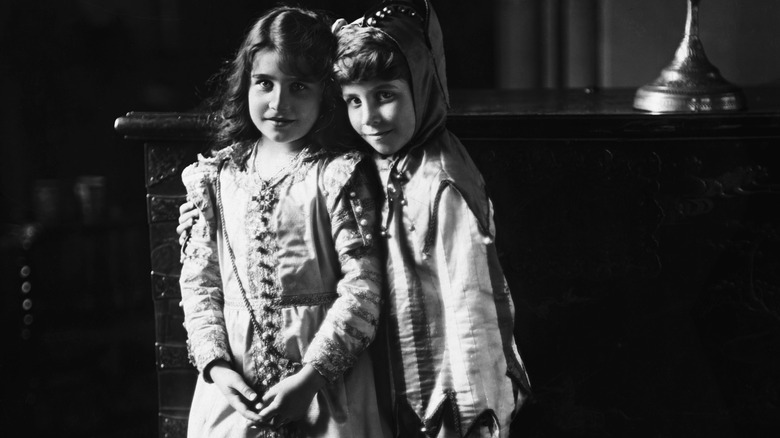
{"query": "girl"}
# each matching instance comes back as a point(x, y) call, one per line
point(280, 278)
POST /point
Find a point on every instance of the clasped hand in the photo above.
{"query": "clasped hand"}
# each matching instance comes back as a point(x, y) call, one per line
point(287, 401)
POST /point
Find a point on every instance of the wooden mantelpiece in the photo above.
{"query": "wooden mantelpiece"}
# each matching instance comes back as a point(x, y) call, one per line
point(642, 251)
point(532, 114)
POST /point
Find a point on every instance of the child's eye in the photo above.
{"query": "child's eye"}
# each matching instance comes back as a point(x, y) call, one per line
point(297, 86)
point(352, 101)
point(385, 96)
point(264, 84)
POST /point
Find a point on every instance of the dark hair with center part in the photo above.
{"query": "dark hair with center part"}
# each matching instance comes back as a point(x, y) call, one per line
point(306, 47)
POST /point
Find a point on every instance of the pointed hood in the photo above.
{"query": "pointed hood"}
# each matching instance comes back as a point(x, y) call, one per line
point(414, 26)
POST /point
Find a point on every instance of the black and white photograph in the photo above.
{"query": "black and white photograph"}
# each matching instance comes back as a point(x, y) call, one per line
point(390, 218)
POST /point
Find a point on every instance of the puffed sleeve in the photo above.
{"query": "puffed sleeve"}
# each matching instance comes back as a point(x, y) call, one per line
point(200, 281)
point(351, 323)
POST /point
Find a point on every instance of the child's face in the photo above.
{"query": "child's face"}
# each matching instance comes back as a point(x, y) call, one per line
point(382, 112)
point(283, 107)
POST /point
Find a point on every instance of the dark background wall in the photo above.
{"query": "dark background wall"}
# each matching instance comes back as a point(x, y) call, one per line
point(77, 325)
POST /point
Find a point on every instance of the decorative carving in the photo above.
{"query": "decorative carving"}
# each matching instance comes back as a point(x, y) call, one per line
point(163, 208)
point(165, 248)
point(169, 322)
point(172, 356)
point(164, 161)
point(696, 195)
point(165, 286)
point(165, 258)
point(173, 427)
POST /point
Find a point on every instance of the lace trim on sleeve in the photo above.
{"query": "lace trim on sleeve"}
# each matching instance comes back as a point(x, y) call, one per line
point(329, 358)
point(205, 349)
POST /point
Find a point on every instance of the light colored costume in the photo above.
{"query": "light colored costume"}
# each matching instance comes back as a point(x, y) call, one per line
point(451, 316)
point(301, 247)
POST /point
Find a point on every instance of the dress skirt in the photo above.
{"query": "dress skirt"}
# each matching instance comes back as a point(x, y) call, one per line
point(353, 396)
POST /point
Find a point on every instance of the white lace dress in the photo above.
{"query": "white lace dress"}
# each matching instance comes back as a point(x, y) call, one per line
point(304, 262)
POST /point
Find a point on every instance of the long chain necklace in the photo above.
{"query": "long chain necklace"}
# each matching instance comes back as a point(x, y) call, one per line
point(271, 372)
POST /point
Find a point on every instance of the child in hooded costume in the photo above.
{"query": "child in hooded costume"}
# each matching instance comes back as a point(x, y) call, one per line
point(456, 370)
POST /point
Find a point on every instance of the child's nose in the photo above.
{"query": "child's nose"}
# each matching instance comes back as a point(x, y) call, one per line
point(370, 115)
point(278, 98)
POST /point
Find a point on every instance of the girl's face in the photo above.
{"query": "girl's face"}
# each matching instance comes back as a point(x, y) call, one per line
point(382, 112)
point(282, 107)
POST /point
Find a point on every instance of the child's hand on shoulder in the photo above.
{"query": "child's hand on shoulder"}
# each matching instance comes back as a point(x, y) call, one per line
point(289, 400)
point(187, 216)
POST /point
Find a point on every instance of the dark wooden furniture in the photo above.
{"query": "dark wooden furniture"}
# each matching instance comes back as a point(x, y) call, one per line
point(642, 251)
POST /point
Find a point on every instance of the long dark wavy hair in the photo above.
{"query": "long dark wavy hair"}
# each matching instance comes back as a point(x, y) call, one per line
point(306, 47)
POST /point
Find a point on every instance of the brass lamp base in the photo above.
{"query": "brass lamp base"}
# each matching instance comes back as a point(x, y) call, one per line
point(690, 83)
point(665, 99)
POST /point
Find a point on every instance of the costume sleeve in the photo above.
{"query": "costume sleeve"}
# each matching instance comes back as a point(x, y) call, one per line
point(479, 315)
point(200, 281)
point(351, 323)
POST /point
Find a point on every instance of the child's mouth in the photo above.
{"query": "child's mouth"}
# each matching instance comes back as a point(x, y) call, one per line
point(278, 122)
point(377, 135)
